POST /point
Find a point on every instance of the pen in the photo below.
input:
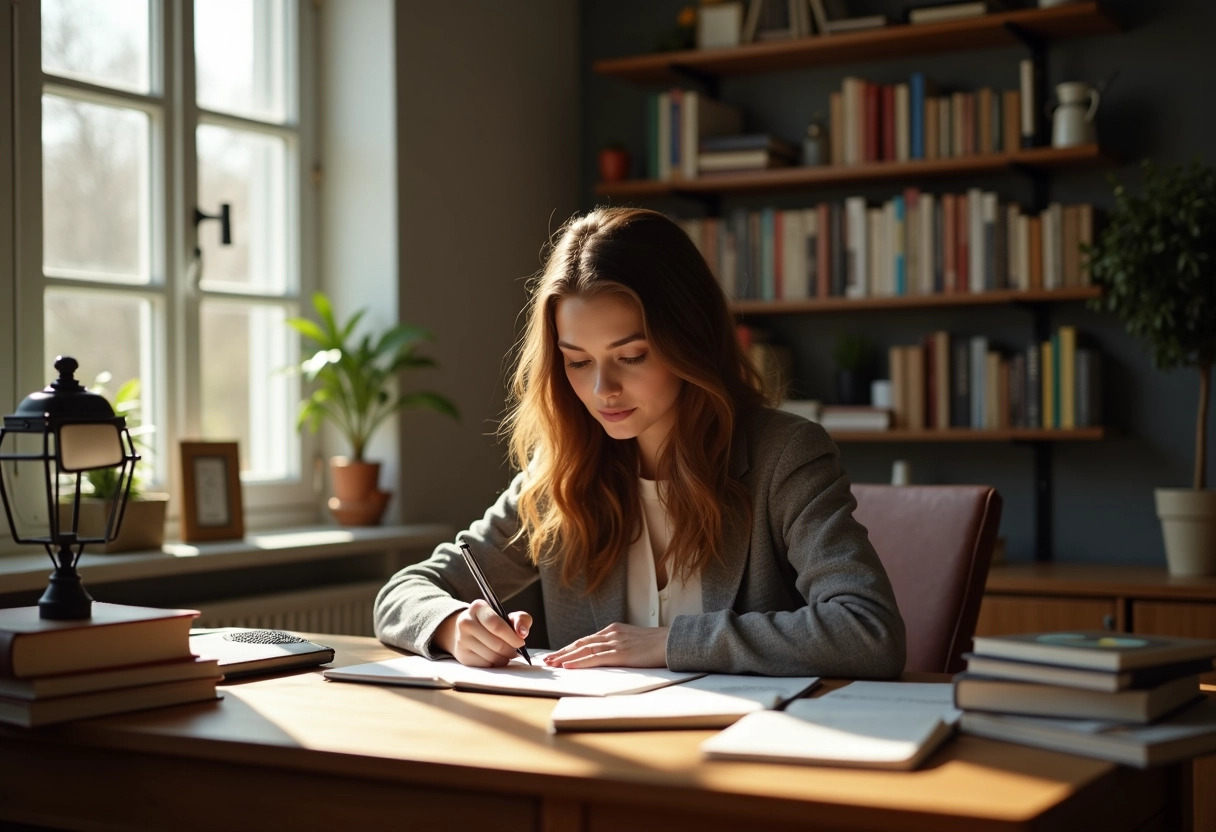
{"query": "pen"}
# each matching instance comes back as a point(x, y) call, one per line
point(488, 592)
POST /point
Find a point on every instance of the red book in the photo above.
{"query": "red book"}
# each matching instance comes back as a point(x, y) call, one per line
point(962, 249)
point(871, 122)
point(888, 122)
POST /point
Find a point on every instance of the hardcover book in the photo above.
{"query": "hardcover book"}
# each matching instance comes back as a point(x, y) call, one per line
point(66, 684)
point(34, 713)
point(115, 635)
point(1188, 733)
point(1095, 649)
point(1035, 699)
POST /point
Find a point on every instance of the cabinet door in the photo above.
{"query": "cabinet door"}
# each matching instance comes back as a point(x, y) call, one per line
point(1176, 618)
point(1005, 614)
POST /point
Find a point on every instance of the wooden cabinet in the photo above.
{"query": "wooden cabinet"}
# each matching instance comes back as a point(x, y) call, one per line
point(1137, 599)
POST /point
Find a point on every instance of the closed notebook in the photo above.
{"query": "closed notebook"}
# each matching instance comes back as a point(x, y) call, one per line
point(66, 684)
point(1074, 677)
point(1186, 733)
point(1095, 649)
point(243, 651)
point(713, 701)
point(517, 677)
point(1005, 696)
point(34, 713)
point(113, 636)
point(890, 725)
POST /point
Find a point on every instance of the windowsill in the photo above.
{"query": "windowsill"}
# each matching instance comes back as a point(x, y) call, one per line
point(23, 572)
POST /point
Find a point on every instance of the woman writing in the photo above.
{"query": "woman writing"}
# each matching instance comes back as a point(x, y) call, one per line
point(672, 519)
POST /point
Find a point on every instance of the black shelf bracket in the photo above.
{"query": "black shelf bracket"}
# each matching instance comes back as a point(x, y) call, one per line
point(1042, 502)
point(705, 80)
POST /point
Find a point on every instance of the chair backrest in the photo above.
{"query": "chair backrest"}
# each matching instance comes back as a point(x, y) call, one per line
point(935, 541)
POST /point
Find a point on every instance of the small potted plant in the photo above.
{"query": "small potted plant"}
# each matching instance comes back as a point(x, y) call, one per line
point(1156, 263)
point(352, 389)
point(854, 369)
point(143, 522)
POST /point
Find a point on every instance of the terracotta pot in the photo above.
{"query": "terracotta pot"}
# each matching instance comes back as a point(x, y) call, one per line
point(357, 500)
point(614, 164)
point(143, 523)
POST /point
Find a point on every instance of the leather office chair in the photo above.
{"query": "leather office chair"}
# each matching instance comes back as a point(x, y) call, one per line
point(935, 541)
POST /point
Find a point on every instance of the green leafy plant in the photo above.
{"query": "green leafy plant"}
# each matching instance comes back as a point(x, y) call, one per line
point(126, 403)
point(353, 378)
point(1156, 263)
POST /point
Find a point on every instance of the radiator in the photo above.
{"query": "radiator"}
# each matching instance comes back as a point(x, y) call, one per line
point(341, 610)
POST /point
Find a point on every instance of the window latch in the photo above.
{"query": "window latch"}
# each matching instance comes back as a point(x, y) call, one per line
point(224, 216)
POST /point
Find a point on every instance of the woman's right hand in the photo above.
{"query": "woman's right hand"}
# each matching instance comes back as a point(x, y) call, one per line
point(478, 637)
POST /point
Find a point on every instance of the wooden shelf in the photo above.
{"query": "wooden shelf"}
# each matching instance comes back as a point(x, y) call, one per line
point(838, 304)
point(805, 178)
point(897, 41)
point(971, 435)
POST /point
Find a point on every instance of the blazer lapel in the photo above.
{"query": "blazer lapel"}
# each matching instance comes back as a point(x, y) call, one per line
point(720, 578)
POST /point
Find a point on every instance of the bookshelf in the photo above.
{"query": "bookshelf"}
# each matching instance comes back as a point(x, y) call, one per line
point(1031, 28)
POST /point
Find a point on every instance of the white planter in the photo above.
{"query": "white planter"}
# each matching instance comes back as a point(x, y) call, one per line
point(1188, 524)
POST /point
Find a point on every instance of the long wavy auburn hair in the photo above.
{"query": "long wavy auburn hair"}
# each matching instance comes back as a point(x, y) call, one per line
point(580, 505)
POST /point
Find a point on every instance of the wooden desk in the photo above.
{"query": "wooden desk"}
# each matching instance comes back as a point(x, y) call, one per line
point(297, 752)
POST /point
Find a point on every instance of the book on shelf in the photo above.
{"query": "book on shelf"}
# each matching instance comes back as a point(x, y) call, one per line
point(837, 417)
point(713, 701)
point(886, 725)
point(114, 635)
point(1186, 733)
point(519, 677)
point(718, 161)
point(243, 651)
point(861, 23)
point(979, 693)
point(941, 12)
point(748, 141)
point(66, 684)
point(32, 713)
point(1095, 649)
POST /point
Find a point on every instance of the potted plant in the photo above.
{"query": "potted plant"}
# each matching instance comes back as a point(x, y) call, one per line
point(854, 356)
point(143, 522)
point(1156, 264)
point(353, 379)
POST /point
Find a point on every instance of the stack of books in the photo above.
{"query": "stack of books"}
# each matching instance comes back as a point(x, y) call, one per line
point(1134, 699)
point(755, 151)
point(123, 658)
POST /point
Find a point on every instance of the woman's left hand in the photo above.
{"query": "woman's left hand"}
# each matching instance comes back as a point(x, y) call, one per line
point(617, 645)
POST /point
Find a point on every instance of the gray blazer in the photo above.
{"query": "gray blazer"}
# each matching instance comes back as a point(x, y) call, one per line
point(799, 592)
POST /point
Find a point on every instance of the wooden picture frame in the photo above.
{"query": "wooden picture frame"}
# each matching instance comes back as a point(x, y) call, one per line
point(212, 507)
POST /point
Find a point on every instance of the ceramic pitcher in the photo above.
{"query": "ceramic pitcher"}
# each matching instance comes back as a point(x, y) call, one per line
point(1072, 123)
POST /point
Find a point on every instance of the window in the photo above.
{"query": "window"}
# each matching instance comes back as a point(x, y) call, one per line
point(157, 116)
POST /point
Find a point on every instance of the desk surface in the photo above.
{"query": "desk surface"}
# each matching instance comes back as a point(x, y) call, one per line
point(335, 754)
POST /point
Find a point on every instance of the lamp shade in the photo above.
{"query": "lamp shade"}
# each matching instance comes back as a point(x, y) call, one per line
point(68, 432)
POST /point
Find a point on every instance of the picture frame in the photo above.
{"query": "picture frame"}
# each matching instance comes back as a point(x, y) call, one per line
point(719, 25)
point(212, 505)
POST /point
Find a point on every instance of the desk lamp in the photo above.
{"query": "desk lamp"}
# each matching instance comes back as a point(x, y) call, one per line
point(76, 431)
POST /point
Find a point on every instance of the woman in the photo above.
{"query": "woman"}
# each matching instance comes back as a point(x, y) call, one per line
point(672, 519)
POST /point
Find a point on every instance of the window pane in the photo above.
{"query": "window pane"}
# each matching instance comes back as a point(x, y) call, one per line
point(239, 48)
point(95, 191)
point(248, 171)
point(110, 339)
point(247, 395)
point(101, 41)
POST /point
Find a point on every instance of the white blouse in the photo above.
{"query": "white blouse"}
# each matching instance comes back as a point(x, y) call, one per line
point(646, 605)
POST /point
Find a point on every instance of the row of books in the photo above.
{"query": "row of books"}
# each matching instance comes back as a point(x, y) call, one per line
point(964, 382)
point(677, 120)
point(916, 243)
point(1134, 699)
point(877, 122)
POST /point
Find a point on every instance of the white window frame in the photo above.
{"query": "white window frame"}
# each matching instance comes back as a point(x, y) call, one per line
point(174, 171)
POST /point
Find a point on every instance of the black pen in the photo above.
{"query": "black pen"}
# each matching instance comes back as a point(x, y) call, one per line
point(488, 592)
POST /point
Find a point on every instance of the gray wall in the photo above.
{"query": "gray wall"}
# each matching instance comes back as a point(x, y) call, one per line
point(488, 137)
point(1159, 106)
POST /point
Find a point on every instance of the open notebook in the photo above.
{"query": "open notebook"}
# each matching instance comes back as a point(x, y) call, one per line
point(892, 725)
point(712, 701)
point(517, 677)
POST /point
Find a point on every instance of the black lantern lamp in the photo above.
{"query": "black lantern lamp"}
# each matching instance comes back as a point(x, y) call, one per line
point(78, 432)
